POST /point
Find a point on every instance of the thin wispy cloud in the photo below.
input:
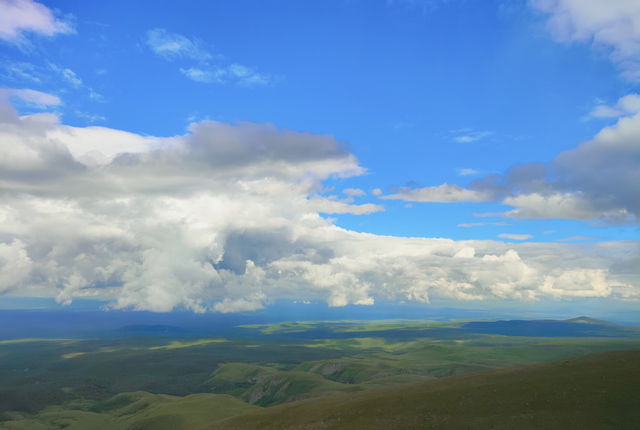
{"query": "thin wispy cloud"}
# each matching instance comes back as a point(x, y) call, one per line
point(20, 71)
point(467, 172)
point(470, 136)
point(174, 46)
point(67, 75)
point(234, 73)
point(171, 46)
point(30, 96)
point(482, 224)
point(577, 239)
point(515, 236)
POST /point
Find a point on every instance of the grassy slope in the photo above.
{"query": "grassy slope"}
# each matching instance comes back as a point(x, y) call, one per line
point(131, 411)
point(266, 386)
point(597, 391)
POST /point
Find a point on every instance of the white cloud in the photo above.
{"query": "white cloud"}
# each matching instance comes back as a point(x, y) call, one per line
point(627, 105)
point(445, 193)
point(15, 265)
point(20, 71)
point(560, 205)
point(322, 205)
point(611, 25)
point(27, 16)
point(597, 180)
point(605, 170)
point(469, 136)
point(199, 75)
point(30, 96)
point(514, 236)
point(481, 224)
point(171, 46)
point(246, 76)
point(354, 192)
point(576, 238)
point(68, 75)
point(583, 283)
point(467, 172)
point(235, 73)
point(225, 218)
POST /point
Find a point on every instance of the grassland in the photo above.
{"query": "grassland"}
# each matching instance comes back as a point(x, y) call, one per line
point(138, 410)
point(591, 392)
point(130, 382)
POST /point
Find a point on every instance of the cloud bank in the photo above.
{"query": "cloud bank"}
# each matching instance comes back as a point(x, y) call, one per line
point(226, 218)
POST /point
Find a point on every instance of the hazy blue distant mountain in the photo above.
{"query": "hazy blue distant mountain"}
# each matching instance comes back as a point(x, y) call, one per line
point(575, 327)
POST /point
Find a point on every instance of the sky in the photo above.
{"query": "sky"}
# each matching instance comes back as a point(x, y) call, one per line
point(224, 156)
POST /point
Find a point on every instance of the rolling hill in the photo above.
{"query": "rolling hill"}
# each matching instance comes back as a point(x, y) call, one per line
point(597, 391)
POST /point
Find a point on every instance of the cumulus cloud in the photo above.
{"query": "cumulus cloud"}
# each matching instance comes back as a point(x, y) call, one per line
point(27, 16)
point(226, 218)
point(597, 180)
point(613, 26)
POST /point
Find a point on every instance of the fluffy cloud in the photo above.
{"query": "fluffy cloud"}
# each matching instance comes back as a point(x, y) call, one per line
point(597, 180)
point(226, 218)
point(21, 16)
point(612, 25)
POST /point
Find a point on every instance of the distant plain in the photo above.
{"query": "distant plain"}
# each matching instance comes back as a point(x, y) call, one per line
point(158, 376)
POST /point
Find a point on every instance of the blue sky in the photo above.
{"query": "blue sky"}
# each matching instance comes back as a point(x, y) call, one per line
point(448, 119)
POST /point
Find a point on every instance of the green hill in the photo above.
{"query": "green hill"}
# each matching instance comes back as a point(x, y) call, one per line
point(267, 386)
point(598, 391)
point(132, 411)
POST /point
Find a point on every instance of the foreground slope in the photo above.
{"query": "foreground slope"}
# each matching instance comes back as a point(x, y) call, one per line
point(596, 391)
point(132, 411)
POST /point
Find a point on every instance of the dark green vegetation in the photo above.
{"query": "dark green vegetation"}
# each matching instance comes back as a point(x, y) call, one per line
point(192, 382)
point(599, 391)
